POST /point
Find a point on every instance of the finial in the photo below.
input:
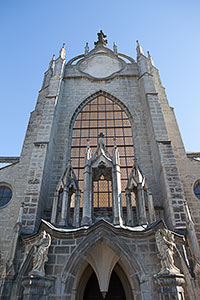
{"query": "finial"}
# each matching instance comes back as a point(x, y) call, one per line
point(134, 162)
point(150, 58)
point(115, 48)
point(139, 48)
point(86, 48)
point(88, 143)
point(52, 61)
point(88, 150)
point(115, 143)
point(63, 51)
point(101, 135)
point(101, 39)
point(21, 212)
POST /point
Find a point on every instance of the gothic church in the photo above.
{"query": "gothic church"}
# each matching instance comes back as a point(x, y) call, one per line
point(103, 202)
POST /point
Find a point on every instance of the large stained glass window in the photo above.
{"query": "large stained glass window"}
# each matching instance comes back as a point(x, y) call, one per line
point(102, 115)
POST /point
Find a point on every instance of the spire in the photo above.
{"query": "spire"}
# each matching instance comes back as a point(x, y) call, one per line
point(139, 49)
point(115, 48)
point(101, 39)
point(86, 48)
point(63, 51)
point(101, 148)
point(137, 172)
point(150, 59)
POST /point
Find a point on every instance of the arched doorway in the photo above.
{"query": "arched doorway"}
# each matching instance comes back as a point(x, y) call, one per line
point(115, 291)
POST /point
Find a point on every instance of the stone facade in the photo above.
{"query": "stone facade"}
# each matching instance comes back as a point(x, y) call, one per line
point(120, 239)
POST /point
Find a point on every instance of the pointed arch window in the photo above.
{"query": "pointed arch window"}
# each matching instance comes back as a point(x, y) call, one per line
point(102, 115)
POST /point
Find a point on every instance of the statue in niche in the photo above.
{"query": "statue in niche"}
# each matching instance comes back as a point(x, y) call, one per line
point(165, 244)
point(41, 248)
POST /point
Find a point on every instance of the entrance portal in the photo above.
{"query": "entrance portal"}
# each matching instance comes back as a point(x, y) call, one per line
point(115, 291)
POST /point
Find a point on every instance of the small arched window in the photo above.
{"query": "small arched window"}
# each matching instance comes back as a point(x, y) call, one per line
point(102, 115)
point(197, 189)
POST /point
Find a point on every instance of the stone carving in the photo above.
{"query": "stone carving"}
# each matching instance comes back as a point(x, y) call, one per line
point(115, 48)
point(86, 49)
point(63, 51)
point(101, 39)
point(41, 248)
point(165, 244)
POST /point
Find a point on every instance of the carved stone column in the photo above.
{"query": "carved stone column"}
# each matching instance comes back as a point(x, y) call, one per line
point(87, 197)
point(77, 209)
point(116, 189)
point(152, 215)
point(170, 286)
point(63, 219)
point(36, 287)
point(129, 207)
point(54, 208)
point(142, 218)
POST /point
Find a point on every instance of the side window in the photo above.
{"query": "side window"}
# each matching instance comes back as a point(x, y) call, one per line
point(5, 195)
point(197, 189)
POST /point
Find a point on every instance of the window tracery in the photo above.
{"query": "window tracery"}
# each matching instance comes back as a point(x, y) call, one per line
point(102, 115)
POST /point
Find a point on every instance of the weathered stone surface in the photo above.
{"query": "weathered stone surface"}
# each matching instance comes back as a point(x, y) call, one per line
point(167, 172)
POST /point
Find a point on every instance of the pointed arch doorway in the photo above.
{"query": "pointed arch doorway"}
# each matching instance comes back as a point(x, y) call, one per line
point(104, 273)
point(115, 291)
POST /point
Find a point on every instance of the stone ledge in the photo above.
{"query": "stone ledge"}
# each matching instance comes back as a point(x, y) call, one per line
point(9, 159)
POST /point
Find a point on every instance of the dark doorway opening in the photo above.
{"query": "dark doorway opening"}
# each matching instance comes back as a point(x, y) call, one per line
point(115, 291)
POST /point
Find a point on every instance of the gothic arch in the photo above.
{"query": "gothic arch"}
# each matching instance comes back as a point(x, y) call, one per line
point(85, 274)
point(116, 122)
point(89, 99)
point(95, 95)
point(76, 265)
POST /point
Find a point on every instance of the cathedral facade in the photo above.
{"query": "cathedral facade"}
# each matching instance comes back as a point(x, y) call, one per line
point(103, 202)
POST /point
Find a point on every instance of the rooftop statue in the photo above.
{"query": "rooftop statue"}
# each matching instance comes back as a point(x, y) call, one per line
point(101, 39)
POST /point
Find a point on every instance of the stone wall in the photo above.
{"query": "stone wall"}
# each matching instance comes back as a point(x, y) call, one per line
point(70, 252)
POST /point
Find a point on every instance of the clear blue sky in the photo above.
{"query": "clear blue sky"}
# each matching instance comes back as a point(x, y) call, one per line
point(32, 31)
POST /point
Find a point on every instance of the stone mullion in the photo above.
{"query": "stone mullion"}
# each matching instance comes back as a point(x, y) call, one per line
point(87, 197)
